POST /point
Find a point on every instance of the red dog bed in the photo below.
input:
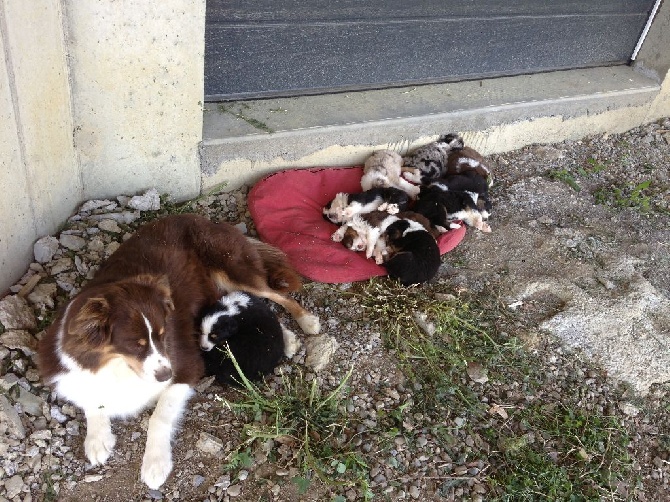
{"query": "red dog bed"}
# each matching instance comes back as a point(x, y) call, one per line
point(287, 210)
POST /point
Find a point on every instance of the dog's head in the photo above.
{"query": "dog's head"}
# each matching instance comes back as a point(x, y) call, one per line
point(218, 321)
point(334, 211)
point(128, 321)
point(354, 240)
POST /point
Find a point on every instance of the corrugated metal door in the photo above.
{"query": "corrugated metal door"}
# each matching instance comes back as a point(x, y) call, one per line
point(266, 48)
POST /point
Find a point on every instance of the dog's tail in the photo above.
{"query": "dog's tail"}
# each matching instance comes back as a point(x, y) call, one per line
point(281, 276)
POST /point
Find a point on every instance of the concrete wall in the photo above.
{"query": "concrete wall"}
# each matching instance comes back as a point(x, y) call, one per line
point(40, 177)
point(99, 98)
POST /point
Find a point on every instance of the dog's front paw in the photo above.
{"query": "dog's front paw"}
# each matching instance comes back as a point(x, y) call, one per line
point(99, 445)
point(310, 324)
point(392, 209)
point(337, 236)
point(156, 466)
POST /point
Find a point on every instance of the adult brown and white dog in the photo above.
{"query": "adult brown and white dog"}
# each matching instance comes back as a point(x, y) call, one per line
point(129, 338)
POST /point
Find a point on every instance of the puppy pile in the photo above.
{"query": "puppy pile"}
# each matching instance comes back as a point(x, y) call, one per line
point(407, 202)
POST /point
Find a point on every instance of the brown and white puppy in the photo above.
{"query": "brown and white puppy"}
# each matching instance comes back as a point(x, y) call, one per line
point(384, 169)
point(129, 338)
point(443, 206)
point(363, 233)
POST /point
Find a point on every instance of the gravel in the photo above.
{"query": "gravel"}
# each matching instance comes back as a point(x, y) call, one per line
point(41, 437)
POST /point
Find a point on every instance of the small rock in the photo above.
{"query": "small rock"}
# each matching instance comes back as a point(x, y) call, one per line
point(155, 494)
point(18, 339)
point(13, 485)
point(629, 409)
point(242, 227)
point(209, 444)
point(414, 492)
point(234, 490)
point(150, 201)
point(43, 295)
point(72, 242)
point(57, 414)
point(96, 204)
point(9, 417)
point(109, 226)
point(31, 404)
point(92, 478)
point(198, 480)
point(61, 265)
point(320, 350)
point(45, 249)
point(15, 313)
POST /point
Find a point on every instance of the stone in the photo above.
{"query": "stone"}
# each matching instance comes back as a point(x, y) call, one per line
point(14, 485)
point(10, 418)
point(149, 201)
point(61, 265)
point(96, 204)
point(45, 249)
point(15, 313)
point(72, 242)
point(19, 340)
point(320, 351)
point(109, 226)
point(31, 404)
point(234, 490)
point(43, 295)
point(242, 227)
point(209, 444)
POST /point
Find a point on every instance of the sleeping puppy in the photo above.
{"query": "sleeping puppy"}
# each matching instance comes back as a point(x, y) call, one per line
point(470, 181)
point(468, 160)
point(344, 206)
point(384, 169)
point(442, 206)
point(429, 162)
point(253, 333)
point(433, 230)
point(413, 256)
point(363, 233)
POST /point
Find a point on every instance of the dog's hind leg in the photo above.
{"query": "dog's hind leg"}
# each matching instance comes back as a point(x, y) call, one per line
point(257, 285)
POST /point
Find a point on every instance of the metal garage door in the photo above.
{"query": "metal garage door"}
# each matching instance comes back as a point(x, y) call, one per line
point(265, 48)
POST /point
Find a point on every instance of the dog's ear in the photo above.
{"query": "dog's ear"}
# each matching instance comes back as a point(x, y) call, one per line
point(91, 323)
point(162, 284)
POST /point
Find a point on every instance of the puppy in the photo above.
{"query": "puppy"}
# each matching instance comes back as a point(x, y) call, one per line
point(129, 338)
point(429, 162)
point(468, 160)
point(249, 327)
point(363, 232)
point(413, 255)
point(443, 206)
point(384, 169)
point(433, 230)
point(470, 181)
point(345, 205)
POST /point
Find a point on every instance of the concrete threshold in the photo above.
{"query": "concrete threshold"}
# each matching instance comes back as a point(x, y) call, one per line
point(245, 140)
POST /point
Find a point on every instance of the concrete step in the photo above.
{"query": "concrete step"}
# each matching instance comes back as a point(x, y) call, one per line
point(246, 140)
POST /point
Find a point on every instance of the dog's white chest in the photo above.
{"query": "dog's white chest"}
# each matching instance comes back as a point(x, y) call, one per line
point(115, 387)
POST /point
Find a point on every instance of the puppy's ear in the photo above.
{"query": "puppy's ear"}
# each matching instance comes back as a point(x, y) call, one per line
point(91, 323)
point(224, 328)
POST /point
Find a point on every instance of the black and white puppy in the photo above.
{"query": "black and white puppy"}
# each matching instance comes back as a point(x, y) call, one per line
point(470, 181)
point(443, 206)
point(252, 331)
point(413, 256)
point(429, 162)
point(346, 205)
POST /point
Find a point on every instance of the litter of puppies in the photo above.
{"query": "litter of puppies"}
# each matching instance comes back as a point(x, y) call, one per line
point(407, 202)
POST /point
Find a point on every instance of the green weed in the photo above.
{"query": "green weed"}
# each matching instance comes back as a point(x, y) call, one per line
point(566, 177)
point(635, 196)
point(257, 124)
point(314, 423)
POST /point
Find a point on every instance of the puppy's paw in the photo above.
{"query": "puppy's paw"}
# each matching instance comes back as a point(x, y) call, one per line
point(99, 445)
point(392, 209)
point(454, 225)
point(337, 237)
point(486, 228)
point(156, 466)
point(443, 230)
point(310, 324)
point(412, 176)
point(291, 343)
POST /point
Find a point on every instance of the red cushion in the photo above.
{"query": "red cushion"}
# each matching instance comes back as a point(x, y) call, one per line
point(287, 210)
